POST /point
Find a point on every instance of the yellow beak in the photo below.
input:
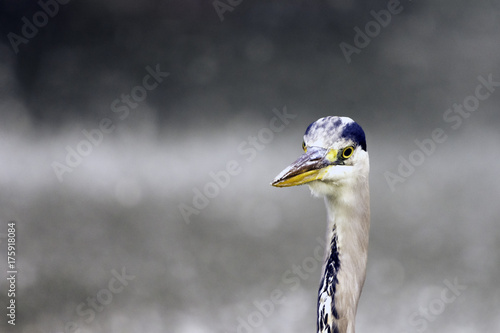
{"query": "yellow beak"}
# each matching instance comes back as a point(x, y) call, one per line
point(307, 168)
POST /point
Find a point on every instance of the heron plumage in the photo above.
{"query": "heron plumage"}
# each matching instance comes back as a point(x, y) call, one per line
point(336, 166)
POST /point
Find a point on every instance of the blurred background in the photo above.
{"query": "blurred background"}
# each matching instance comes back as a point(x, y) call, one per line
point(138, 141)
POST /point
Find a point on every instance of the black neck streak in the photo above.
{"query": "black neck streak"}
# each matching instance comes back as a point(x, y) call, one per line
point(328, 286)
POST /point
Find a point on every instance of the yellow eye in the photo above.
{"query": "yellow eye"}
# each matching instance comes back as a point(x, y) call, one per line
point(304, 148)
point(347, 152)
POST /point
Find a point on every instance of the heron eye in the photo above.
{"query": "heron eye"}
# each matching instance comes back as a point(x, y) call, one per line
point(347, 152)
point(304, 148)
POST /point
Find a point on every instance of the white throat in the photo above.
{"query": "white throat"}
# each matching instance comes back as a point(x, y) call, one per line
point(345, 258)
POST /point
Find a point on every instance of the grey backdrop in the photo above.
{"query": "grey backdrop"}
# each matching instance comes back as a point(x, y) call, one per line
point(170, 189)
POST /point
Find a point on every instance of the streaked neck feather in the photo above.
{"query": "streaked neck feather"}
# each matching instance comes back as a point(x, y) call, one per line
point(345, 258)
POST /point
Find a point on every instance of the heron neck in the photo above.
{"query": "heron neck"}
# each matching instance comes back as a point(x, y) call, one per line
point(345, 259)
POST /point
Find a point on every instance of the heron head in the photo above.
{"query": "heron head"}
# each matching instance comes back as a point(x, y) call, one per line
point(334, 155)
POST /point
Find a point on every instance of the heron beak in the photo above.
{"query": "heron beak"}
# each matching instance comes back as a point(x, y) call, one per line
point(308, 167)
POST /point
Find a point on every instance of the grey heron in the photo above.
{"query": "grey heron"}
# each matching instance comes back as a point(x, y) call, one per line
point(335, 165)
